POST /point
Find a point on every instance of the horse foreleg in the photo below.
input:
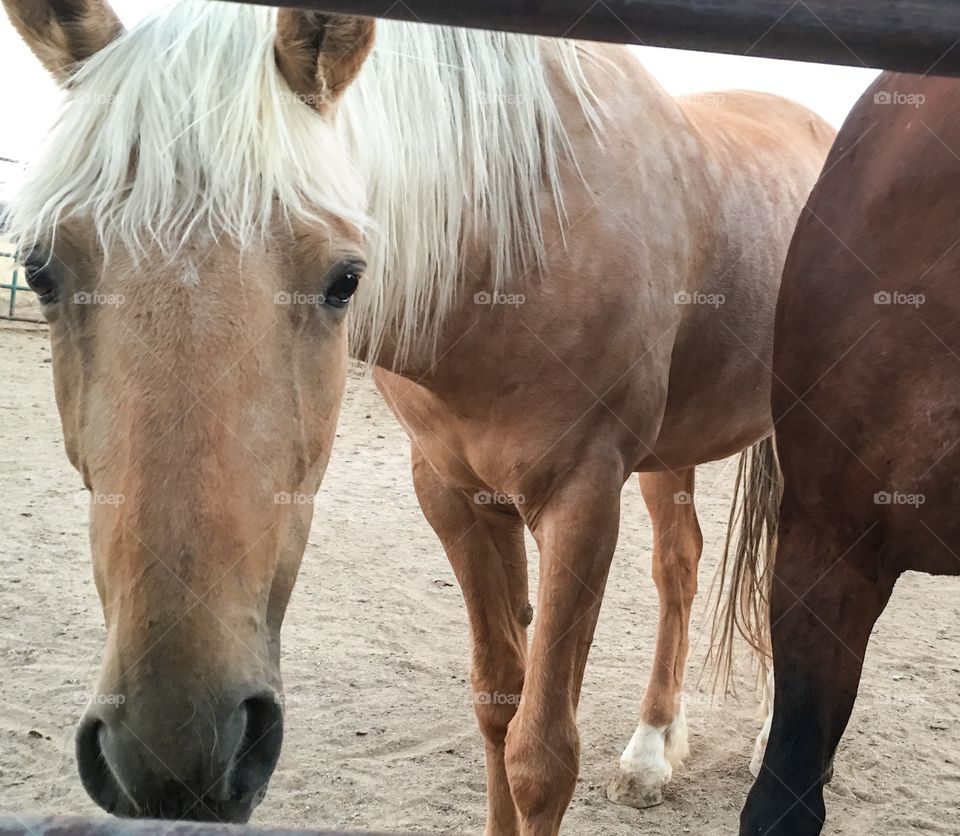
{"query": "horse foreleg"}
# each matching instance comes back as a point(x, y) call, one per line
point(576, 531)
point(827, 596)
point(660, 741)
point(486, 550)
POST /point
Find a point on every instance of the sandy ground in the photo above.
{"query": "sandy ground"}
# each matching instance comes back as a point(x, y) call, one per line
point(380, 728)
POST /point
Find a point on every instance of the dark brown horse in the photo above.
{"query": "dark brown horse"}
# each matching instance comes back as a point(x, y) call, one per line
point(867, 404)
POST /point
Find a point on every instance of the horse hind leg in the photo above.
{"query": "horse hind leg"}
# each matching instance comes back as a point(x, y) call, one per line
point(660, 743)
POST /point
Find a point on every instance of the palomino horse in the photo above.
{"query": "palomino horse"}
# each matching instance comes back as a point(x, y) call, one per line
point(571, 279)
point(867, 375)
point(186, 194)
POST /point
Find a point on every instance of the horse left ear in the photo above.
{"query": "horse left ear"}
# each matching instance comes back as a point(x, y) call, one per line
point(321, 54)
point(64, 33)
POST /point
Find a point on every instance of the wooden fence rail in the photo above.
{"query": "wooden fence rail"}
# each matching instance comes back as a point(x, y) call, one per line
point(918, 36)
point(79, 826)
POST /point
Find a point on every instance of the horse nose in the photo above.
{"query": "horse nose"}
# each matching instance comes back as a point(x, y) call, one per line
point(151, 764)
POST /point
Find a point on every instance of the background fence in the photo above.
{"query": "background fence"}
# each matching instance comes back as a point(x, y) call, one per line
point(17, 301)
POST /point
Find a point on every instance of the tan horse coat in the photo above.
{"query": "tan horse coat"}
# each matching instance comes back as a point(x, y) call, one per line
point(644, 345)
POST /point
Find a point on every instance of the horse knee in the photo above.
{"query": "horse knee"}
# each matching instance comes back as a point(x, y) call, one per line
point(496, 697)
point(493, 717)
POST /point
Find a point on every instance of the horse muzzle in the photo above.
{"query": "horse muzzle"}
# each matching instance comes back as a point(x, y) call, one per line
point(208, 760)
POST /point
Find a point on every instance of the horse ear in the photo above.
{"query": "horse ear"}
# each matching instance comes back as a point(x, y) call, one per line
point(62, 33)
point(321, 54)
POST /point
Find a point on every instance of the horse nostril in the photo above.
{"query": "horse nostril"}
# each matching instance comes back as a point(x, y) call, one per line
point(259, 750)
point(95, 774)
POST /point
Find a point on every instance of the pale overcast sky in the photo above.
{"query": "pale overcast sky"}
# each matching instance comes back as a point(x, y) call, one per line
point(30, 99)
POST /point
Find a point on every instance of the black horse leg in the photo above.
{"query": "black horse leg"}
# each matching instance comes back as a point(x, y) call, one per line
point(827, 596)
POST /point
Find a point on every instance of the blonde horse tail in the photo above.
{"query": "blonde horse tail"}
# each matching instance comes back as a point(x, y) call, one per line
point(744, 578)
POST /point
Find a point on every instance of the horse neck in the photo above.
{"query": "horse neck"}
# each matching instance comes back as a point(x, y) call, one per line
point(427, 122)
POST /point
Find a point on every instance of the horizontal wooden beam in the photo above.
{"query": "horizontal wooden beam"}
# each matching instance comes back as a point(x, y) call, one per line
point(77, 826)
point(918, 36)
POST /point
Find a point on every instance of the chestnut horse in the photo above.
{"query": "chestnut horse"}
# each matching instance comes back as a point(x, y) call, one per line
point(866, 399)
point(568, 277)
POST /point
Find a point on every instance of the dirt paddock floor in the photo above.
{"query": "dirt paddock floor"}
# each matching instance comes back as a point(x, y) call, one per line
point(380, 732)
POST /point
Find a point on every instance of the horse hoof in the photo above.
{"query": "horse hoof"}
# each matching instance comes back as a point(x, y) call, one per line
point(637, 791)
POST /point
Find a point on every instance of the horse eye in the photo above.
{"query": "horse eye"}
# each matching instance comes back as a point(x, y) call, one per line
point(40, 280)
point(342, 290)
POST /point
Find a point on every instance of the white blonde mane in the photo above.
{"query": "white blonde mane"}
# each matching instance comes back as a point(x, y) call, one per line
point(185, 125)
point(459, 137)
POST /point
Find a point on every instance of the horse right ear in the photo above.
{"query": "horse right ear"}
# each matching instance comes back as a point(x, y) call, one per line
point(321, 54)
point(64, 33)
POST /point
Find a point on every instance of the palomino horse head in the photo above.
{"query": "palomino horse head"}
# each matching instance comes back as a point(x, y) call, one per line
point(194, 232)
